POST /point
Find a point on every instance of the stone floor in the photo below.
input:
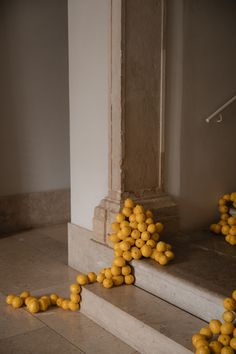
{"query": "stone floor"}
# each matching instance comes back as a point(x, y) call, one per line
point(37, 261)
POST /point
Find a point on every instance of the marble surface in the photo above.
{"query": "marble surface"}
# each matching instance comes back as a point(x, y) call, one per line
point(36, 260)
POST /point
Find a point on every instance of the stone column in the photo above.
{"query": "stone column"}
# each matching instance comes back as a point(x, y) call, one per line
point(136, 131)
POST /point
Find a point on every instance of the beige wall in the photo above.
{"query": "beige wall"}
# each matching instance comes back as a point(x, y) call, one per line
point(201, 71)
point(89, 66)
point(34, 112)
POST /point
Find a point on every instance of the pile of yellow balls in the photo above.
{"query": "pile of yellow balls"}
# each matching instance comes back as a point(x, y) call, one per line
point(227, 223)
point(135, 236)
point(218, 337)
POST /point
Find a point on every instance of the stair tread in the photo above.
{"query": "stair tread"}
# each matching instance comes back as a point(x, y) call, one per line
point(154, 312)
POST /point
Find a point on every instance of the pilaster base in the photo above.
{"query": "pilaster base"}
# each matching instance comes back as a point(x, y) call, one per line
point(164, 209)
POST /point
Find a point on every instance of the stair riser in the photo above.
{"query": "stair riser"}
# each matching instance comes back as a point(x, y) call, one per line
point(129, 329)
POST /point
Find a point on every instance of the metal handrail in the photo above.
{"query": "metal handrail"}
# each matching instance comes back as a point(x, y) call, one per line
point(219, 110)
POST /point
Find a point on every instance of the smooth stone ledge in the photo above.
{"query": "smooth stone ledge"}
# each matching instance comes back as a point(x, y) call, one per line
point(143, 321)
point(87, 255)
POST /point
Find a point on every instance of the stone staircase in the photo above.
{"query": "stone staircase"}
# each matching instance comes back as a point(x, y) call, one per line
point(167, 304)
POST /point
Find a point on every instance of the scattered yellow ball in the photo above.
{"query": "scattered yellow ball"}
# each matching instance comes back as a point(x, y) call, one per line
point(118, 280)
point(17, 302)
point(228, 316)
point(10, 298)
point(215, 347)
point(33, 306)
point(107, 283)
point(215, 326)
point(146, 251)
point(53, 299)
point(82, 279)
point(126, 270)
point(75, 298)
point(119, 262)
point(129, 279)
point(206, 331)
point(65, 304)
point(224, 339)
point(73, 306)
point(75, 288)
point(230, 304)
point(92, 277)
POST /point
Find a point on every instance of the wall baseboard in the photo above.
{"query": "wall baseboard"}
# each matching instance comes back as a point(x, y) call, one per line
point(31, 210)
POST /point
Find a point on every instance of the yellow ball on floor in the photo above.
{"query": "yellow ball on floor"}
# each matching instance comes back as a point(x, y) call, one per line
point(118, 280)
point(129, 279)
point(65, 304)
point(73, 306)
point(203, 350)
point(43, 304)
point(53, 299)
point(24, 295)
point(129, 203)
point(75, 288)
point(10, 298)
point(17, 302)
point(75, 298)
point(224, 339)
point(82, 279)
point(33, 306)
point(100, 277)
point(227, 328)
point(206, 332)
point(146, 251)
point(126, 270)
point(228, 316)
point(60, 301)
point(215, 347)
point(215, 326)
point(229, 304)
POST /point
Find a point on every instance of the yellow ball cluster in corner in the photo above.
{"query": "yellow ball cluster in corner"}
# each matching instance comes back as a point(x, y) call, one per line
point(227, 223)
point(218, 337)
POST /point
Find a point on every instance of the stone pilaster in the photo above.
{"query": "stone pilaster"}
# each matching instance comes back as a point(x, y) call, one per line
point(136, 130)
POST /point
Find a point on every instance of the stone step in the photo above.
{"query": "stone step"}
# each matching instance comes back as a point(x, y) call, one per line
point(143, 321)
point(202, 274)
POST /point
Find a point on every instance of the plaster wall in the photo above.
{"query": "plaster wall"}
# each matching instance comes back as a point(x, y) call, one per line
point(89, 67)
point(201, 76)
point(34, 109)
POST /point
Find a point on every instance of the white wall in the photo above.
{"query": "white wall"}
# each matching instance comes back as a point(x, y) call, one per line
point(34, 109)
point(204, 169)
point(89, 62)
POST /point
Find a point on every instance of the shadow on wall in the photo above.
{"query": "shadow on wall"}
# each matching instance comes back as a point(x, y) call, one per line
point(34, 110)
point(204, 78)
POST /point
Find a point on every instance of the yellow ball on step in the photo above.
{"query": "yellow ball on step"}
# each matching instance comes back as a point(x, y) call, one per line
point(92, 277)
point(82, 279)
point(129, 279)
point(75, 298)
point(107, 283)
point(73, 306)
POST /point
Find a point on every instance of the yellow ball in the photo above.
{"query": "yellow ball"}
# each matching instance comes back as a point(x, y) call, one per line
point(146, 251)
point(135, 234)
point(227, 328)
point(215, 347)
point(75, 298)
point(119, 262)
point(151, 243)
point(155, 237)
point(17, 302)
point(73, 306)
point(46, 298)
point(233, 196)
point(139, 243)
point(10, 298)
point(127, 256)
point(132, 218)
point(228, 316)
point(196, 337)
point(203, 350)
point(163, 260)
point(223, 209)
point(92, 277)
point(108, 273)
point(232, 231)
point(149, 221)
point(154, 251)
point(234, 333)
point(138, 209)
point(159, 227)
point(149, 214)
point(65, 304)
point(158, 255)
point(170, 255)
point(230, 304)
point(133, 225)
point(152, 228)
point(114, 238)
point(126, 270)
point(129, 279)
point(118, 280)
point(118, 253)
point(234, 295)
point(120, 217)
point(126, 231)
point(231, 220)
point(215, 326)
point(140, 218)
point(24, 295)
point(60, 301)
point(145, 236)
point(225, 229)
point(224, 339)
point(224, 216)
point(205, 331)
point(28, 299)
point(82, 279)
point(221, 201)
point(75, 288)
point(124, 223)
point(115, 226)
point(115, 270)
point(227, 350)
point(136, 253)
point(232, 240)
point(129, 203)
point(107, 283)
point(226, 197)
point(161, 246)
point(201, 343)
point(53, 299)
point(33, 306)
point(127, 211)
point(125, 246)
point(233, 343)
point(43, 304)
point(130, 240)
point(100, 277)
point(121, 237)
point(142, 227)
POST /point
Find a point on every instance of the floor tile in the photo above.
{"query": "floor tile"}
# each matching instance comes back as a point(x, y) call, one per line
point(84, 333)
point(14, 322)
point(56, 232)
point(41, 341)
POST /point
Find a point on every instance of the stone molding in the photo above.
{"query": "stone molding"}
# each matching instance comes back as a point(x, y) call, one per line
point(31, 210)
